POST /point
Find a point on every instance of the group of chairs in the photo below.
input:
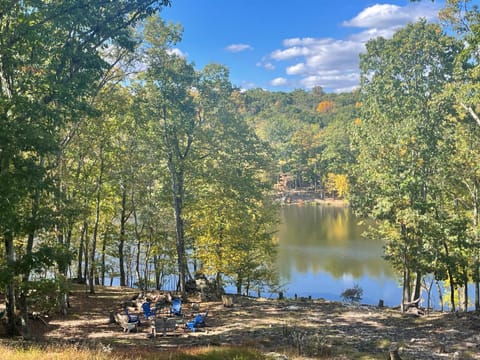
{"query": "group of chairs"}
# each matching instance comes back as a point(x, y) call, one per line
point(175, 310)
point(151, 312)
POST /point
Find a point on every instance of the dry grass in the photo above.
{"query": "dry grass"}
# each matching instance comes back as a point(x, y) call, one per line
point(105, 353)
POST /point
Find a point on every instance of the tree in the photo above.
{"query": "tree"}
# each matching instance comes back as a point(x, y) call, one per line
point(337, 184)
point(169, 81)
point(325, 106)
point(464, 92)
point(397, 142)
point(232, 216)
point(50, 64)
point(460, 179)
point(465, 20)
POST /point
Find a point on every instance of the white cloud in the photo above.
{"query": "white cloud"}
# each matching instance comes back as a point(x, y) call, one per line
point(384, 15)
point(388, 16)
point(333, 63)
point(296, 69)
point(279, 81)
point(291, 52)
point(235, 48)
point(340, 81)
point(247, 85)
point(268, 65)
point(177, 52)
point(364, 36)
point(299, 41)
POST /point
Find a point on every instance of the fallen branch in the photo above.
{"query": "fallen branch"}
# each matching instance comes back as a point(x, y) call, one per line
point(411, 303)
point(38, 316)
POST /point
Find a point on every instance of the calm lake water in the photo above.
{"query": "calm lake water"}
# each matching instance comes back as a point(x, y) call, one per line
point(321, 253)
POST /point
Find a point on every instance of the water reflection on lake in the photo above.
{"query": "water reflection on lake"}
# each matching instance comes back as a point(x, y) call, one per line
point(321, 253)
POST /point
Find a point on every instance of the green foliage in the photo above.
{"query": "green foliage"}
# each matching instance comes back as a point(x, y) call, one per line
point(43, 295)
point(306, 143)
point(397, 141)
point(53, 56)
point(231, 216)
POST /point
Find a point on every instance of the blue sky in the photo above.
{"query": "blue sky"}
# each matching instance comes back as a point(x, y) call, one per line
point(283, 45)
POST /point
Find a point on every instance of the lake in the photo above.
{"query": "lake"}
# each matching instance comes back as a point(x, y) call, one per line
point(321, 253)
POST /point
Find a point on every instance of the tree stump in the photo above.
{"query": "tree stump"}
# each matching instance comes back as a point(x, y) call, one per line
point(112, 319)
point(227, 300)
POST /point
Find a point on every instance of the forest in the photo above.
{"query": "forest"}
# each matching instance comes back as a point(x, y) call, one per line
point(120, 160)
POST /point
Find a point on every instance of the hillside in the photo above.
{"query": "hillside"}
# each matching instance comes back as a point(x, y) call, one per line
point(311, 328)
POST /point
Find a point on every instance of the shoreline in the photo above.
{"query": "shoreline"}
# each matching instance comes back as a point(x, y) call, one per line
point(301, 197)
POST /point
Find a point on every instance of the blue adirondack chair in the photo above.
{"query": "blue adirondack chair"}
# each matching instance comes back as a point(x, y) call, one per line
point(197, 322)
point(132, 318)
point(148, 311)
point(176, 308)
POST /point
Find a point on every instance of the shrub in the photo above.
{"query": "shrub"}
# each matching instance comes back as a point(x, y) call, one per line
point(352, 295)
point(306, 343)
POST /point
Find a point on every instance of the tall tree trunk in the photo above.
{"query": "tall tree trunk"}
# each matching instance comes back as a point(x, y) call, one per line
point(25, 277)
point(417, 287)
point(64, 231)
point(176, 163)
point(26, 334)
point(406, 286)
point(440, 295)
point(141, 284)
point(81, 251)
point(86, 266)
point(406, 271)
point(10, 289)
point(177, 198)
point(450, 277)
point(138, 235)
point(476, 242)
point(121, 243)
point(103, 269)
point(64, 297)
point(452, 291)
point(146, 267)
point(158, 272)
point(239, 284)
point(93, 248)
point(218, 284)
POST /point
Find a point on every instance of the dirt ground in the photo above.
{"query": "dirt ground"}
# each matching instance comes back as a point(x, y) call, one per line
point(300, 328)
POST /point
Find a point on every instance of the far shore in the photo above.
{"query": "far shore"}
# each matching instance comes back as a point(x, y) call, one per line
point(301, 197)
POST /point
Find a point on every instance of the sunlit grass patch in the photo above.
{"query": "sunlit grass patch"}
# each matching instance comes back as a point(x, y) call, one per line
point(215, 354)
point(50, 353)
point(67, 353)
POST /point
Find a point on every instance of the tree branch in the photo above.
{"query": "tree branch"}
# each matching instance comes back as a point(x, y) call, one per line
point(471, 112)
